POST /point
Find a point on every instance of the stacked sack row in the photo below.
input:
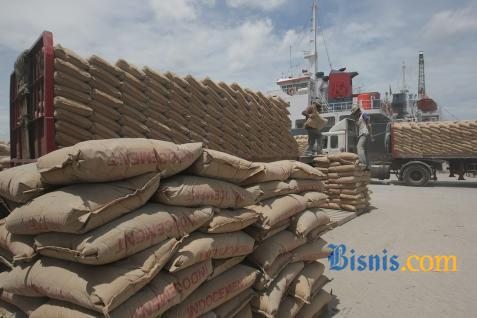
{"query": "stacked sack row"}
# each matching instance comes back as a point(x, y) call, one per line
point(143, 228)
point(302, 141)
point(347, 182)
point(4, 155)
point(435, 138)
point(97, 100)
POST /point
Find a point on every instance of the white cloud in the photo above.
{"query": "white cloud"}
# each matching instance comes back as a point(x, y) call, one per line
point(451, 23)
point(257, 4)
point(174, 10)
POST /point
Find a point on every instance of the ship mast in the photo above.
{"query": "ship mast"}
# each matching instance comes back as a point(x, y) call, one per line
point(315, 27)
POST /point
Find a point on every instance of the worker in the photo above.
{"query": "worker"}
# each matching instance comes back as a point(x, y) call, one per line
point(314, 123)
point(365, 134)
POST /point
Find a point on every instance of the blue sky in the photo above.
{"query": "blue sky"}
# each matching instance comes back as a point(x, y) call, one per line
point(247, 41)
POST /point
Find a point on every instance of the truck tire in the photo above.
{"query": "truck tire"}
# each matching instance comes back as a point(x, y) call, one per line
point(416, 175)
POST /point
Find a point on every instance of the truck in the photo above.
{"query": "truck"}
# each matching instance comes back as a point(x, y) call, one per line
point(414, 152)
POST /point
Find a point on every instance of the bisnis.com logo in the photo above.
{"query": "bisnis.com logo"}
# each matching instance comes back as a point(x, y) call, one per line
point(342, 259)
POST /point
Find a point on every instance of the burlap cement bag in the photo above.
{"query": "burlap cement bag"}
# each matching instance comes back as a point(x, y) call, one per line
point(163, 292)
point(222, 166)
point(18, 247)
point(106, 111)
point(184, 190)
point(222, 265)
point(71, 130)
point(102, 85)
point(344, 168)
point(311, 251)
point(129, 132)
point(260, 234)
point(83, 206)
point(72, 106)
point(266, 277)
point(215, 292)
point(199, 247)
point(232, 307)
point(314, 199)
point(303, 285)
point(116, 159)
point(67, 80)
point(228, 220)
point(73, 70)
point(73, 118)
point(348, 156)
point(245, 312)
point(272, 171)
point(104, 65)
point(308, 220)
point(125, 236)
point(276, 188)
point(72, 94)
point(100, 288)
point(70, 57)
point(26, 304)
point(108, 122)
point(275, 210)
point(103, 132)
point(131, 69)
point(21, 183)
point(266, 253)
point(289, 307)
point(65, 140)
point(268, 301)
point(106, 99)
point(133, 113)
point(319, 231)
point(106, 77)
point(318, 303)
point(133, 123)
point(10, 311)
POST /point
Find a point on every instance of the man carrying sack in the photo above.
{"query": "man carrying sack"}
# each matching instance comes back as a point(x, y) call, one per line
point(314, 124)
point(365, 134)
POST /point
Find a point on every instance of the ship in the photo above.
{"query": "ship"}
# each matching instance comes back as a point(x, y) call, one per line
point(335, 92)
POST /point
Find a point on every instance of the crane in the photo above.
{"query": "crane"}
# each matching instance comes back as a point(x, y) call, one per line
point(424, 103)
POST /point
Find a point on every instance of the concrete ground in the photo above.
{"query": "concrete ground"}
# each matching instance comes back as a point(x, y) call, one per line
point(440, 219)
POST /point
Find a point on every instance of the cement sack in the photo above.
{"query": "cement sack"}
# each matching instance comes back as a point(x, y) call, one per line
point(347, 156)
point(99, 288)
point(115, 159)
point(74, 119)
point(73, 70)
point(234, 306)
point(106, 99)
point(133, 113)
point(72, 94)
point(133, 123)
point(72, 106)
point(312, 251)
point(283, 170)
point(222, 265)
point(100, 84)
point(266, 277)
point(70, 57)
point(103, 132)
point(199, 247)
point(314, 199)
point(318, 285)
point(71, 130)
point(273, 189)
point(215, 292)
point(106, 121)
point(318, 232)
point(65, 140)
point(289, 307)
point(129, 132)
point(275, 210)
point(303, 285)
point(131, 69)
point(26, 304)
point(125, 236)
point(70, 81)
point(18, 247)
point(266, 253)
point(344, 168)
point(106, 111)
point(308, 220)
point(184, 190)
point(223, 166)
point(104, 65)
point(21, 183)
point(228, 220)
point(260, 234)
point(318, 303)
point(268, 301)
point(83, 206)
point(106, 77)
point(163, 292)
point(245, 312)
point(351, 180)
point(9, 311)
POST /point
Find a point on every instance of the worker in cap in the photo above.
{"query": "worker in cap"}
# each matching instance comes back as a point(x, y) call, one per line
point(365, 134)
point(314, 123)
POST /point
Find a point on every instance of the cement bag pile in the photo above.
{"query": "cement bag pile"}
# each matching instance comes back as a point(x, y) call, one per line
point(435, 139)
point(302, 141)
point(4, 155)
point(288, 240)
point(98, 100)
point(346, 184)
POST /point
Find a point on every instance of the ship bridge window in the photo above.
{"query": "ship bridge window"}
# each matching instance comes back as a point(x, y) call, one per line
point(334, 142)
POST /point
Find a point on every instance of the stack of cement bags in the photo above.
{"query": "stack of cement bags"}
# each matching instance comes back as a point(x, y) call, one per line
point(4, 155)
point(97, 100)
point(435, 138)
point(288, 240)
point(347, 182)
point(302, 141)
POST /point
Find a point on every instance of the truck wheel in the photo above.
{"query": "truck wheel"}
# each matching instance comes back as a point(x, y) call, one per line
point(416, 175)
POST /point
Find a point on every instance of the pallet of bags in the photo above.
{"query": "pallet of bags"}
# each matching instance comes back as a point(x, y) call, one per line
point(347, 182)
